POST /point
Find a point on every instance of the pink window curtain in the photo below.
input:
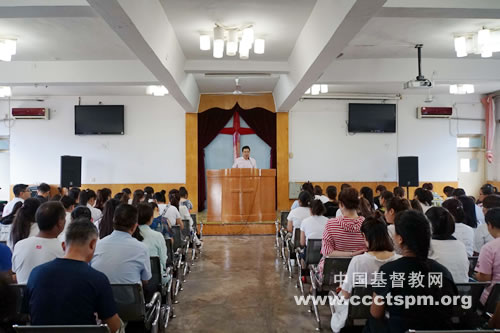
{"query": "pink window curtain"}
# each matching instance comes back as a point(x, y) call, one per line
point(489, 108)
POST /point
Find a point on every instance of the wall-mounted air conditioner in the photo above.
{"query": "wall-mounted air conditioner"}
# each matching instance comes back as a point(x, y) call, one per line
point(30, 113)
point(434, 112)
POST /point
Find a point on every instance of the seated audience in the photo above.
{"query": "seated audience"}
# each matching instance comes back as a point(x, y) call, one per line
point(297, 215)
point(332, 205)
point(171, 210)
point(81, 211)
point(153, 240)
point(88, 198)
point(445, 248)
point(120, 256)
point(127, 194)
point(6, 222)
point(67, 291)
point(184, 213)
point(21, 193)
point(308, 187)
point(5, 260)
point(69, 205)
point(384, 197)
point(488, 264)
point(380, 251)
point(392, 208)
point(469, 210)
point(448, 191)
point(103, 195)
point(312, 227)
point(160, 223)
point(56, 197)
point(318, 194)
point(424, 198)
point(105, 225)
point(33, 251)
point(413, 236)
point(138, 197)
point(399, 192)
point(367, 193)
point(342, 236)
point(148, 194)
point(485, 190)
point(458, 192)
point(436, 198)
point(462, 232)
point(378, 190)
point(74, 193)
point(364, 208)
point(24, 224)
point(184, 198)
point(482, 235)
point(43, 192)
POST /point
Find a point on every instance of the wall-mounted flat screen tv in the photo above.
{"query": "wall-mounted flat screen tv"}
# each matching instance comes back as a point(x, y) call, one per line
point(99, 119)
point(372, 118)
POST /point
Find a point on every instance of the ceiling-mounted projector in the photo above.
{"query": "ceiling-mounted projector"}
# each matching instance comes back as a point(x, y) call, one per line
point(421, 81)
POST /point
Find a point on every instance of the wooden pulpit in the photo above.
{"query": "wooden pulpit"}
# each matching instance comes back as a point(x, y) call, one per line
point(241, 195)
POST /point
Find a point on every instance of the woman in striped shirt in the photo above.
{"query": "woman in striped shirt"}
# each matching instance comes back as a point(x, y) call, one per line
point(342, 236)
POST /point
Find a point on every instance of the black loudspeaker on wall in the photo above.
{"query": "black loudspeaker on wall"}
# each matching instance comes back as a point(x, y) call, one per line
point(408, 171)
point(71, 171)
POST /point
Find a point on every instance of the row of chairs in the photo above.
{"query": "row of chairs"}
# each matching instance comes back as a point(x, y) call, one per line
point(357, 315)
point(146, 310)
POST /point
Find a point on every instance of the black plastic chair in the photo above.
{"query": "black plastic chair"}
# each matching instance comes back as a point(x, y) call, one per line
point(358, 315)
point(62, 329)
point(333, 269)
point(179, 249)
point(493, 299)
point(132, 308)
point(468, 318)
point(472, 265)
point(21, 316)
point(293, 245)
point(313, 256)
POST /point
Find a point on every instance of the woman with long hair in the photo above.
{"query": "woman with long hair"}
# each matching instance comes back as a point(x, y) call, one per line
point(138, 197)
point(6, 222)
point(380, 250)
point(105, 225)
point(103, 195)
point(461, 231)
point(413, 236)
point(24, 224)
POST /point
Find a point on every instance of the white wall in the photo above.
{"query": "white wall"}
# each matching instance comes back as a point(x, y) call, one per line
point(151, 151)
point(324, 151)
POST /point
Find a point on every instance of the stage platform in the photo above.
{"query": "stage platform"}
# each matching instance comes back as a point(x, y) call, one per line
point(211, 228)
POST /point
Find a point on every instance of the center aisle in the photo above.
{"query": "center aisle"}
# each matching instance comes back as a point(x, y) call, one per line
point(239, 285)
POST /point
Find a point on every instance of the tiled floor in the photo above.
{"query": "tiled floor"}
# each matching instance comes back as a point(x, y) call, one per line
point(240, 285)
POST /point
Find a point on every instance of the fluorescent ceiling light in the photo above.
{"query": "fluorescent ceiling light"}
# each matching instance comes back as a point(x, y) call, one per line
point(156, 90)
point(204, 42)
point(7, 49)
point(461, 46)
point(259, 46)
point(5, 92)
point(461, 89)
point(324, 88)
point(315, 89)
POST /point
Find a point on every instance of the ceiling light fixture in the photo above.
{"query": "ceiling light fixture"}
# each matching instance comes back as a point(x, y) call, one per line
point(238, 40)
point(205, 42)
point(316, 89)
point(484, 42)
point(5, 92)
point(8, 48)
point(156, 90)
point(461, 89)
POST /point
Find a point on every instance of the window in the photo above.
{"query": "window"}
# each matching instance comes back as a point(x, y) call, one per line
point(470, 142)
point(4, 144)
point(469, 165)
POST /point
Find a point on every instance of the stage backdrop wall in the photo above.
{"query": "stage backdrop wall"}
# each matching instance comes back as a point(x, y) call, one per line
point(323, 151)
point(151, 151)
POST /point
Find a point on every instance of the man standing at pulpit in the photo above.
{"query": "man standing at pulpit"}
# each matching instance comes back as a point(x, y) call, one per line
point(245, 161)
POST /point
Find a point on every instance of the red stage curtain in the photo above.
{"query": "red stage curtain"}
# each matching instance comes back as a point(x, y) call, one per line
point(212, 121)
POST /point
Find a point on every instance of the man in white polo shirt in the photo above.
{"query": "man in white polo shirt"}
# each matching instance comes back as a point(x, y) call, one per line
point(44, 247)
point(21, 193)
point(245, 161)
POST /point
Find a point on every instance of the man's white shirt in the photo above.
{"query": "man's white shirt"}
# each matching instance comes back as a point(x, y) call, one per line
point(240, 162)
